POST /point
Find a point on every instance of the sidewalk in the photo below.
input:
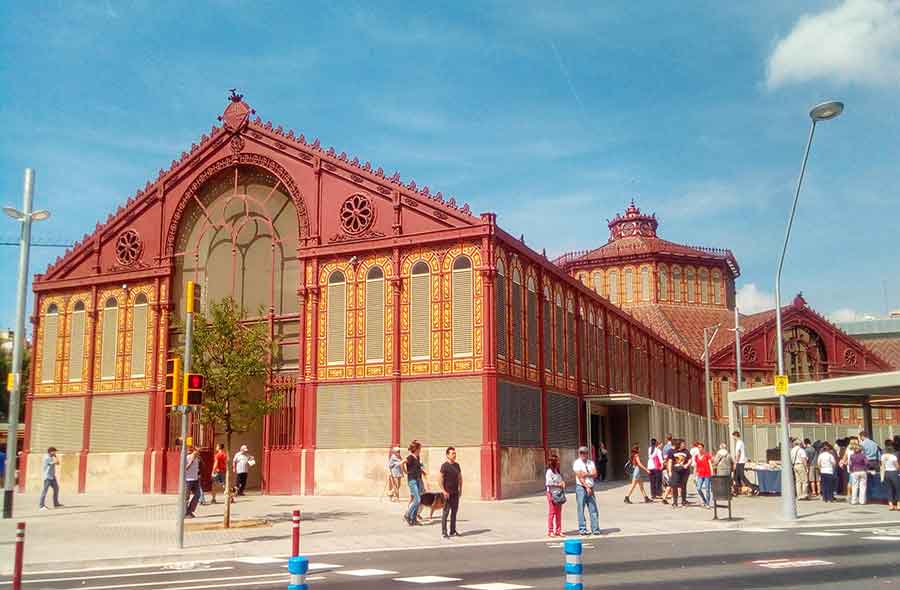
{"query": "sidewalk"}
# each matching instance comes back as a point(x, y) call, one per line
point(96, 530)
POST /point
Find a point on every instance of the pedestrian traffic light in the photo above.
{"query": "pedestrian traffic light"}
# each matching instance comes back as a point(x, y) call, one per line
point(193, 296)
point(193, 389)
point(173, 381)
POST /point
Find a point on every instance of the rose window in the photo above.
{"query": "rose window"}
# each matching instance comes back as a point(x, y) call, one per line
point(749, 353)
point(128, 247)
point(850, 358)
point(357, 214)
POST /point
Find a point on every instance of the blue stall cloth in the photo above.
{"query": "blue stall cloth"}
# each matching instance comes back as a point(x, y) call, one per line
point(768, 480)
point(876, 490)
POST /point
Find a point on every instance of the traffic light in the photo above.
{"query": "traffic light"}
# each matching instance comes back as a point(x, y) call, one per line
point(193, 296)
point(173, 381)
point(193, 389)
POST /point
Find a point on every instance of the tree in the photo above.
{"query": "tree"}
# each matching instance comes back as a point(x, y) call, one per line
point(233, 356)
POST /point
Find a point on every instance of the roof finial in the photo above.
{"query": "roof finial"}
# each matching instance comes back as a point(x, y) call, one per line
point(235, 97)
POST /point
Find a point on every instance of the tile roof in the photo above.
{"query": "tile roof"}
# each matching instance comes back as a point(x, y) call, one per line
point(887, 348)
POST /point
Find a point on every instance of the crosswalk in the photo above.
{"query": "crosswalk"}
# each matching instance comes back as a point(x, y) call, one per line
point(867, 533)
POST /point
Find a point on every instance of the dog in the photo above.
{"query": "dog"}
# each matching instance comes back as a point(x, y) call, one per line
point(432, 500)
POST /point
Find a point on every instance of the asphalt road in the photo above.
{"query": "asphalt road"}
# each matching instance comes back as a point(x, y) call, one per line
point(834, 557)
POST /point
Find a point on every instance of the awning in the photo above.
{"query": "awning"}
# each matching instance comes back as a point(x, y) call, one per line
point(619, 399)
point(874, 388)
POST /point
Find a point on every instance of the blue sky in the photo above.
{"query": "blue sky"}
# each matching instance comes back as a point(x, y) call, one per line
point(554, 115)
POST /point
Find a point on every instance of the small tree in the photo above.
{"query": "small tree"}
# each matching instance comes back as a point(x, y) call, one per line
point(233, 357)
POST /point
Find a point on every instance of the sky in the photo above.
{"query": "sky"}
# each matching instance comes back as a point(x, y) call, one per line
point(553, 115)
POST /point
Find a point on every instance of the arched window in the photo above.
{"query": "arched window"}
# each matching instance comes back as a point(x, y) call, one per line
point(704, 285)
point(663, 283)
point(336, 320)
point(532, 329)
point(560, 339)
point(584, 278)
point(516, 311)
point(645, 284)
point(462, 306)
point(612, 278)
point(375, 315)
point(500, 294)
point(598, 282)
point(76, 342)
point(629, 285)
point(717, 287)
point(420, 312)
point(570, 338)
point(676, 284)
point(548, 330)
point(804, 354)
point(109, 345)
point(139, 318)
point(590, 349)
point(691, 284)
point(48, 350)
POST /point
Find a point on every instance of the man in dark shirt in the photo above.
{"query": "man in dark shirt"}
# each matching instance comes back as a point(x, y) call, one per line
point(451, 485)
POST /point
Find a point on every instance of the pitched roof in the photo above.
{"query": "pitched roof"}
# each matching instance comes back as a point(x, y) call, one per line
point(684, 325)
point(641, 245)
point(887, 348)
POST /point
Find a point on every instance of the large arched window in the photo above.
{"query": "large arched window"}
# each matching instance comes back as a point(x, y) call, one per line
point(548, 330)
point(804, 354)
point(645, 284)
point(691, 284)
point(516, 311)
point(375, 315)
point(420, 312)
point(560, 335)
point(336, 320)
point(48, 350)
point(462, 306)
point(76, 342)
point(629, 285)
point(570, 338)
point(676, 284)
point(109, 344)
point(532, 327)
point(500, 295)
point(717, 287)
point(139, 318)
point(662, 272)
point(612, 278)
point(598, 282)
point(704, 285)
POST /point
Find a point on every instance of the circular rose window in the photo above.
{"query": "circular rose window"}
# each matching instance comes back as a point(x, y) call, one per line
point(357, 214)
point(128, 247)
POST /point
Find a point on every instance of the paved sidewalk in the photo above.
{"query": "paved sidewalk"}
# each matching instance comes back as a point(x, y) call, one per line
point(97, 530)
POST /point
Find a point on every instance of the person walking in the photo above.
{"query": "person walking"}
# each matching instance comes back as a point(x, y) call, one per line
point(889, 475)
point(556, 496)
point(219, 467)
point(655, 468)
point(585, 474)
point(48, 467)
point(241, 465)
point(723, 461)
point(192, 482)
point(827, 467)
point(801, 469)
point(395, 474)
point(636, 468)
point(703, 474)
point(740, 458)
point(677, 466)
point(856, 462)
point(450, 482)
point(602, 460)
point(414, 473)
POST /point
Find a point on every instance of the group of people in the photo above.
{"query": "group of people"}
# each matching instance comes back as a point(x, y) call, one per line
point(193, 465)
point(450, 486)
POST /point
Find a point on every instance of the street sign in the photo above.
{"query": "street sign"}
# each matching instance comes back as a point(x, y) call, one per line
point(781, 384)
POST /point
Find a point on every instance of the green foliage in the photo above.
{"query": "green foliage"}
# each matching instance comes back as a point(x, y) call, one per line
point(234, 357)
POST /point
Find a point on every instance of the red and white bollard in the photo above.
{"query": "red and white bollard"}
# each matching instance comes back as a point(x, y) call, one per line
point(295, 534)
point(20, 556)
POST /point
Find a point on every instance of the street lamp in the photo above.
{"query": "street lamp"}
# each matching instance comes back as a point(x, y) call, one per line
point(26, 216)
point(707, 340)
point(820, 112)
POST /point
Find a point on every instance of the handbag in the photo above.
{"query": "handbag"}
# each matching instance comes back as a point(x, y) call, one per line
point(251, 462)
point(558, 495)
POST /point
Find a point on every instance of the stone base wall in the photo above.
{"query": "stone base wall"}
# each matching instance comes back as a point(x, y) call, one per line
point(115, 473)
point(523, 470)
point(66, 473)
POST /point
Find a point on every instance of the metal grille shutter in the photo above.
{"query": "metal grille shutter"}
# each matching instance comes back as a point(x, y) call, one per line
point(337, 323)
point(531, 309)
point(442, 412)
point(353, 416)
point(517, 321)
point(139, 341)
point(76, 347)
point(501, 315)
point(48, 350)
point(560, 341)
point(119, 423)
point(57, 423)
point(587, 360)
point(570, 342)
point(519, 415)
point(462, 311)
point(629, 285)
point(420, 316)
point(110, 343)
point(375, 320)
point(562, 420)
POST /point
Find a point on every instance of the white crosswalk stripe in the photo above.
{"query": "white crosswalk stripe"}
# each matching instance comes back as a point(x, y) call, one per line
point(496, 586)
point(881, 538)
point(427, 579)
point(366, 572)
point(823, 534)
point(760, 530)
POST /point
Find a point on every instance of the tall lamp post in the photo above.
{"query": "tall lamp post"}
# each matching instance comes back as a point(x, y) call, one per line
point(707, 340)
point(26, 216)
point(820, 112)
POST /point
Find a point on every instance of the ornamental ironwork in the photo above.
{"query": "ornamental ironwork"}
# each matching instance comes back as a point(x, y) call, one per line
point(128, 247)
point(357, 214)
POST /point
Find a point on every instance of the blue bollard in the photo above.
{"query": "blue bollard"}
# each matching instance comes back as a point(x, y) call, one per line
point(574, 568)
point(298, 567)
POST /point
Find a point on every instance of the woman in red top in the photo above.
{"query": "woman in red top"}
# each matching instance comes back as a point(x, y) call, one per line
point(703, 474)
point(220, 460)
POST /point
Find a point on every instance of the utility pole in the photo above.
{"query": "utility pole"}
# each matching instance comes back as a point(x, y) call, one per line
point(192, 290)
point(737, 369)
point(706, 342)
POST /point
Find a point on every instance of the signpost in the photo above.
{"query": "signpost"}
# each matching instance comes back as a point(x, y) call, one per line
point(781, 384)
point(193, 298)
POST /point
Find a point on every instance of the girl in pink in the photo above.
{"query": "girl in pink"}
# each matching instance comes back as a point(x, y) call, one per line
point(554, 480)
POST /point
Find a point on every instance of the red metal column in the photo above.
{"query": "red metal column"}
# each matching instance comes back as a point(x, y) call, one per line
point(309, 397)
point(490, 452)
point(152, 408)
point(542, 375)
point(89, 395)
point(396, 285)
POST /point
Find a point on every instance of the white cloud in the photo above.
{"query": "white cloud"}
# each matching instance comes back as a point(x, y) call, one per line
point(847, 314)
point(751, 300)
point(857, 41)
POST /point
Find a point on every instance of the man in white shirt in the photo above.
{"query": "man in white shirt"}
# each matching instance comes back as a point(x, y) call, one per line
point(799, 461)
point(740, 457)
point(241, 464)
point(585, 472)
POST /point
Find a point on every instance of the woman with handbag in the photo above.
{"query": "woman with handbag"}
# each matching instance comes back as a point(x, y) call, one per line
point(556, 497)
